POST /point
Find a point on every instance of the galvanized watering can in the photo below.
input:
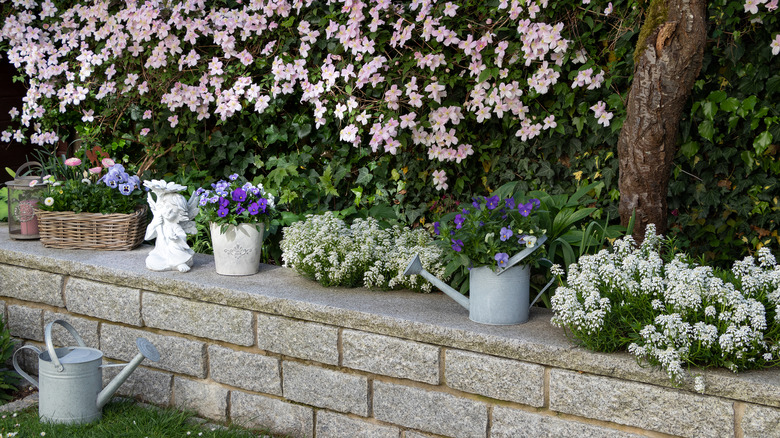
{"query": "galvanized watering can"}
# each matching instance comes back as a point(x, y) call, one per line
point(71, 378)
point(497, 298)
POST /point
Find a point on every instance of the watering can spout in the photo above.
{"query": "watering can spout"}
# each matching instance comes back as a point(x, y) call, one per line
point(415, 268)
point(147, 351)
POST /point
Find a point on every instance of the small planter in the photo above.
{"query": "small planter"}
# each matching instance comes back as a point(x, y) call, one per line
point(94, 231)
point(237, 250)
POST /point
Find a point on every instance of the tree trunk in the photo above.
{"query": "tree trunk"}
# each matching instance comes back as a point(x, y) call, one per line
point(668, 59)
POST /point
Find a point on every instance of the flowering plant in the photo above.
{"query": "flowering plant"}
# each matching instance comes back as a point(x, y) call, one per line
point(673, 314)
point(85, 190)
point(489, 231)
point(325, 249)
point(234, 202)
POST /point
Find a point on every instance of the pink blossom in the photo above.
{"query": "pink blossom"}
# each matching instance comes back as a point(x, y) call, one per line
point(775, 45)
point(72, 162)
point(174, 120)
point(440, 180)
point(107, 162)
point(95, 170)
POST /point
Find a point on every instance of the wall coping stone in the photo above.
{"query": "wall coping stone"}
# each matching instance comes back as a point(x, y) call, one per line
point(429, 318)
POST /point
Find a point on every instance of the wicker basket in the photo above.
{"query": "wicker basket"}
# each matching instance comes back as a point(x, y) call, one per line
point(95, 231)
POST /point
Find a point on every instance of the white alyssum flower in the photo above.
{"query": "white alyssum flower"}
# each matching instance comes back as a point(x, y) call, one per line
point(325, 249)
point(684, 314)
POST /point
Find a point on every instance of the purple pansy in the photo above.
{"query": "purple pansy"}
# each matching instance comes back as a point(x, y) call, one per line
point(525, 209)
point(492, 202)
point(502, 259)
point(506, 233)
point(239, 195)
point(222, 212)
point(459, 219)
point(457, 245)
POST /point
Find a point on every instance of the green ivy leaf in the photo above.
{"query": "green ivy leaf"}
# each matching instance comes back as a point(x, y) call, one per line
point(717, 96)
point(707, 129)
point(762, 142)
point(731, 104)
point(710, 109)
point(689, 149)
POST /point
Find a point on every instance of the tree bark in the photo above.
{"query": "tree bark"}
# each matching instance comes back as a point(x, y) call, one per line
point(668, 60)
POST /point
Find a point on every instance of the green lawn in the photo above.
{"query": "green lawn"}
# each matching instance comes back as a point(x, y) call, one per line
point(126, 419)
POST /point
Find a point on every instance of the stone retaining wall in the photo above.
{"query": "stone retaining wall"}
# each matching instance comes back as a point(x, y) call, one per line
point(275, 350)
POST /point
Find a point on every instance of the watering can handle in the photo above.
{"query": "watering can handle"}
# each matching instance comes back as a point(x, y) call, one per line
point(549, 283)
point(515, 259)
point(50, 345)
point(29, 165)
point(19, 369)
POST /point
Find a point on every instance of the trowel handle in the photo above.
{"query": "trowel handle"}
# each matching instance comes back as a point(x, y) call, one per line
point(50, 345)
point(18, 369)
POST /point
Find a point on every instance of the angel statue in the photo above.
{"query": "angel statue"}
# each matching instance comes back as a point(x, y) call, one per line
point(173, 220)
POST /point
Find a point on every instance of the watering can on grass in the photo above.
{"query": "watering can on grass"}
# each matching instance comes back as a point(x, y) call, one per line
point(496, 298)
point(71, 378)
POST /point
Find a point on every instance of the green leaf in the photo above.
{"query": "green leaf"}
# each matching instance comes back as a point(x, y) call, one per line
point(484, 76)
point(578, 122)
point(773, 84)
point(762, 142)
point(710, 109)
point(706, 129)
point(689, 149)
point(717, 96)
point(730, 105)
point(364, 176)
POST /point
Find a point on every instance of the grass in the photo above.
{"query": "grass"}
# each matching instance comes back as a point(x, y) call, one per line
point(125, 419)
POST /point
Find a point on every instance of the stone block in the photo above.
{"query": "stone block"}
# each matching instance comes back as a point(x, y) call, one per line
point(760, 422)
point(197, 318)
point(209, 401)
point(649, 407)
point(145, 384)
point(333, 425)
point(87, 329)
point(279, 417)
point(429, 410)
point(104, 301)
point(511, 423)
point(304, 340)
point(176, 354)
point(25, 322)
point(390, 356)
point(31, 285)
point(254, 372)
point(494, 377)
point(323, 388)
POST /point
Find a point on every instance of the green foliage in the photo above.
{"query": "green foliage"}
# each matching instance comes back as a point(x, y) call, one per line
point(8, 379)
point(724, 190)
point(3, 204)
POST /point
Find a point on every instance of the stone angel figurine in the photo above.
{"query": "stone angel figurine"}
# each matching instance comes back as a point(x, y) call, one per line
point(173, 220)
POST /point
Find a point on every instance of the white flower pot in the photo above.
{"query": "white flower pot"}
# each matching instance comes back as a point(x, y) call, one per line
point(237, 250)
